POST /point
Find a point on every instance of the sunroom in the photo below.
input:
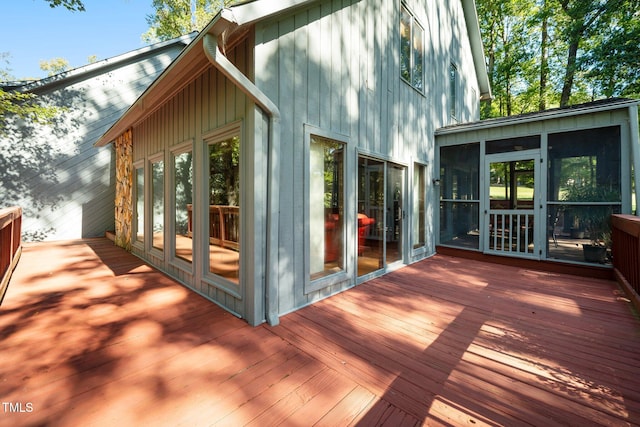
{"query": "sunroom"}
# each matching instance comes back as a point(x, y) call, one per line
point(540, 186)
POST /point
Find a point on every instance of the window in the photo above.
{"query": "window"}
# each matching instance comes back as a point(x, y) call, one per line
point(411, 50)
point(224, 208)
point(138, 233)
point(453, 91)
point(183, 193)
point(326, 207)
point(157, 203)
point(419, 204)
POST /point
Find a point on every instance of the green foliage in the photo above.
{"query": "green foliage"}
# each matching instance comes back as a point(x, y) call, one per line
point(549, 53)
point(54, 66)
point(23, 106)
point(174, 18)
point(72, 5)
point(594, 219)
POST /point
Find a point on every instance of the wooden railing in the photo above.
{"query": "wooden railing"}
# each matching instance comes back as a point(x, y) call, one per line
point(10, 244)
point(625, 235)
point(224, 225)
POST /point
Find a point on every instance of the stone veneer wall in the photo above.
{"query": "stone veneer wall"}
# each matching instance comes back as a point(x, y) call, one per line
point(124, 190)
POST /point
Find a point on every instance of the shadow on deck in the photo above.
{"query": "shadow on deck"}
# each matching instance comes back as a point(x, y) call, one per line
point(90, 335)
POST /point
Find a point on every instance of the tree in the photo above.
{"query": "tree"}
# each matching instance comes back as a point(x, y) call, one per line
point(546, 53)
point(72, 5)
point(582, 20)
point(54, 66)
point(174, 18)
point(24, 105)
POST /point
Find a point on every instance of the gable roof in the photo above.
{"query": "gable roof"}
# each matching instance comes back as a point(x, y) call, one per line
point(86, 70)
point(231, 24)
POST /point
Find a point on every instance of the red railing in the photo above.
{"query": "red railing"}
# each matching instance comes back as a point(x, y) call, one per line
point(224, 225)
point(625, 235)
point(10, 244)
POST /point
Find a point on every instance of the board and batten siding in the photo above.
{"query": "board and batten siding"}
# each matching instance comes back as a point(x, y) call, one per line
point(335, 66)
point(204, 106)
point(69, 185)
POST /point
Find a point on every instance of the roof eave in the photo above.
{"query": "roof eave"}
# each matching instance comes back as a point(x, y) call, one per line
point(543, 115)
point(161, 86)
point(477, 49)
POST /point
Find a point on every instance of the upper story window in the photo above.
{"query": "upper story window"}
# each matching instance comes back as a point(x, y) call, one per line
point(411, 50)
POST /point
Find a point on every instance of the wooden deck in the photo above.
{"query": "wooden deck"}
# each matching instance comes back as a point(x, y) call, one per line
point(89, 335)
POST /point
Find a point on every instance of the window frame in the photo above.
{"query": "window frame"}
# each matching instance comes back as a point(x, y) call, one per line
point(454, 78)
point(413, 22)
point(176, 261)
point(159, 252)
point(313, 285)
point(416, 245)
point(234, 289)
point(139, 244)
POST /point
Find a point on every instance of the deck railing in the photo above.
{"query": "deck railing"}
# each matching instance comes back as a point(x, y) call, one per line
point(10, 244)
point(626, 254)
point(224, 225)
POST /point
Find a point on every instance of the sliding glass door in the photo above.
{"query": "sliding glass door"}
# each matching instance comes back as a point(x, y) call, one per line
point(380, 217)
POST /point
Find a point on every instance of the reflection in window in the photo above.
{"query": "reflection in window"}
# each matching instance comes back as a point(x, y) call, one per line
point(326, 207)
point(224, 208)
point(139, 206)
point(183, 178)
point(419, 194)
point(460, 195)
point(453, 91)
point(411, 50)
point(157, 203)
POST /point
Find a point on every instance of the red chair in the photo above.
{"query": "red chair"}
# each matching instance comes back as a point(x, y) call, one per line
point(364, 222)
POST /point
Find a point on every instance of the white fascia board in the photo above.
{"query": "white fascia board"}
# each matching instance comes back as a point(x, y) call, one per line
point(477, 48)
point(248, 13)
point(85, 69)
point(535, 117)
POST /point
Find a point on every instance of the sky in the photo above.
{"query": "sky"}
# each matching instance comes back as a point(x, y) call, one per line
point(31, 32)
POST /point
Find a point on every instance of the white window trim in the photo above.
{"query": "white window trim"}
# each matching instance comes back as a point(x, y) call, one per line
point(414, 21)
point(346, 273)
point(236, 290)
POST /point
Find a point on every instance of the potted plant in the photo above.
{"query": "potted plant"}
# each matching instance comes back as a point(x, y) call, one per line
point(593, 219)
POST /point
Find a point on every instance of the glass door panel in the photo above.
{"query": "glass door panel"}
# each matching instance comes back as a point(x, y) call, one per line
point(395, 213)
point(380, 214)
point(370, 215)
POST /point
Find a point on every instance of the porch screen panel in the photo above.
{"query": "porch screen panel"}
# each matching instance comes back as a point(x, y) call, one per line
point(460, 195)
point(326, 207)
point(157, 203)
point(584, 189)
point(224, 208)
point(183, 193)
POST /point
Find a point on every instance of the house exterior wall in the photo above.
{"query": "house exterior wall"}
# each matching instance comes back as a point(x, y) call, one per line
point(66, 185)
point(207, 106)
point(334, 68)
point(331, 69)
